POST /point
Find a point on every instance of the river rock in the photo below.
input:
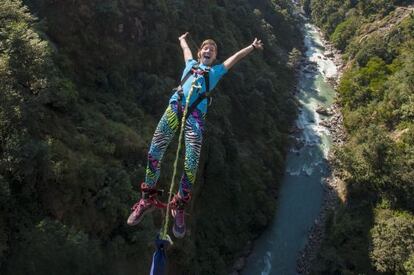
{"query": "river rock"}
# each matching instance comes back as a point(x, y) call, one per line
point(325, 123)
point(332, 81)
point(323, 111)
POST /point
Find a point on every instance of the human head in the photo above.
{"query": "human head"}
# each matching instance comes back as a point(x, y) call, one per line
point(208, 52)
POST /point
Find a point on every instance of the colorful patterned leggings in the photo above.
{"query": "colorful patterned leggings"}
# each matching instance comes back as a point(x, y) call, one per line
point(193, 136)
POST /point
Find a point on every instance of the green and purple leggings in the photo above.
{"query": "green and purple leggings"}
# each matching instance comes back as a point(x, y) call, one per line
point(164, 133)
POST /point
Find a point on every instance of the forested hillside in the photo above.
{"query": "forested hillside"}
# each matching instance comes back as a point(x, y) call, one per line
point(83, 84)
point(373, 231)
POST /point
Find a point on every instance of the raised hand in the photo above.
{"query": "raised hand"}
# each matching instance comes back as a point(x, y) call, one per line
point(184, 46)
point(183, 36)
point(257, 44)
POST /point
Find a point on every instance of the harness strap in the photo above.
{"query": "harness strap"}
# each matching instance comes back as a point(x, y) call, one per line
point(200, 98)
point(207, 79)
point(197, 101)
point(187, 76)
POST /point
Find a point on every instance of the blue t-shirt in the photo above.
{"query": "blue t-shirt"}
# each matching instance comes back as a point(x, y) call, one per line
point(215, 74)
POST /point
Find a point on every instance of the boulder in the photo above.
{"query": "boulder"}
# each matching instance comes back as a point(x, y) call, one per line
point(323, 111)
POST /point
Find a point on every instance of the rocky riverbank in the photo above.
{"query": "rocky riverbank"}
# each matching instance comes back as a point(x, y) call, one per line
point(332, 184)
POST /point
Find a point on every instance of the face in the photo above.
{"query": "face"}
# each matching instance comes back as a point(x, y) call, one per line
point(208, 54)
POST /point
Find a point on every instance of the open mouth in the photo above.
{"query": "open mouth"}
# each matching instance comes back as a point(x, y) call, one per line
point(206, 56)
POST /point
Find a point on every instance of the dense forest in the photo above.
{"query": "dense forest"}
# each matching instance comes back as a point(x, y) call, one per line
point(373, 230)
point(83, 84)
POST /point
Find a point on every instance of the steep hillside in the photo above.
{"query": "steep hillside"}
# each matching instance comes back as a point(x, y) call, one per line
point(83, 86)
point(373, 231)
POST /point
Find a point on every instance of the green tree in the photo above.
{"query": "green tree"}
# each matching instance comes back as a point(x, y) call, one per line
point(52, 248)
point(409, 265)
point(392, 241)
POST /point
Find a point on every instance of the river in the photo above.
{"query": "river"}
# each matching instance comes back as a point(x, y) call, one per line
point(301, 192)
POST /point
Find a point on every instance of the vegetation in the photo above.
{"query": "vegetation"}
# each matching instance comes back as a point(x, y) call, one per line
point(372, 232)
point(83, 85)
point(393, 241)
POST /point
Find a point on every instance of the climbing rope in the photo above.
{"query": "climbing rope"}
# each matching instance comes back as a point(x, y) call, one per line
point(164, 235)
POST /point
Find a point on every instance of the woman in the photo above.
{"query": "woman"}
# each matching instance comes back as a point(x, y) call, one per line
point(204, 77)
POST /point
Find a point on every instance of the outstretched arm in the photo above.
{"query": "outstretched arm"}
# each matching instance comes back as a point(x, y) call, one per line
point(257, 44)
point(184, 46)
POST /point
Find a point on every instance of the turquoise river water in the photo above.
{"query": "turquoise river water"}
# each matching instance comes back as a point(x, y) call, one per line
point(301, 193)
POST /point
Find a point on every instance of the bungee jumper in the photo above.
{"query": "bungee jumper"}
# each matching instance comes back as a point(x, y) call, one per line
point(187, 105)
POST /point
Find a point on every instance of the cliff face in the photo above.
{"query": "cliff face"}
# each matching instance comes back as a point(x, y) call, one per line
point(373, 231)
point(83, 86)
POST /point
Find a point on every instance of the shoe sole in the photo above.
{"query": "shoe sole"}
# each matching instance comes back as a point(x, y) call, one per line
point(137, 221)
point(178, 235)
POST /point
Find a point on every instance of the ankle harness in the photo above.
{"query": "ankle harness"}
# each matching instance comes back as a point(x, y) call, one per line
point(151, 194)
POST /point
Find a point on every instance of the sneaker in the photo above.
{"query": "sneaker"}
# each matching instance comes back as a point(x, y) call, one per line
point(145, 205)
point(177, 211)
point(139, 210)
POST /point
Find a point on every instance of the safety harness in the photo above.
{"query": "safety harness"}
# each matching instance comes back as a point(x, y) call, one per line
point(195, 71)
